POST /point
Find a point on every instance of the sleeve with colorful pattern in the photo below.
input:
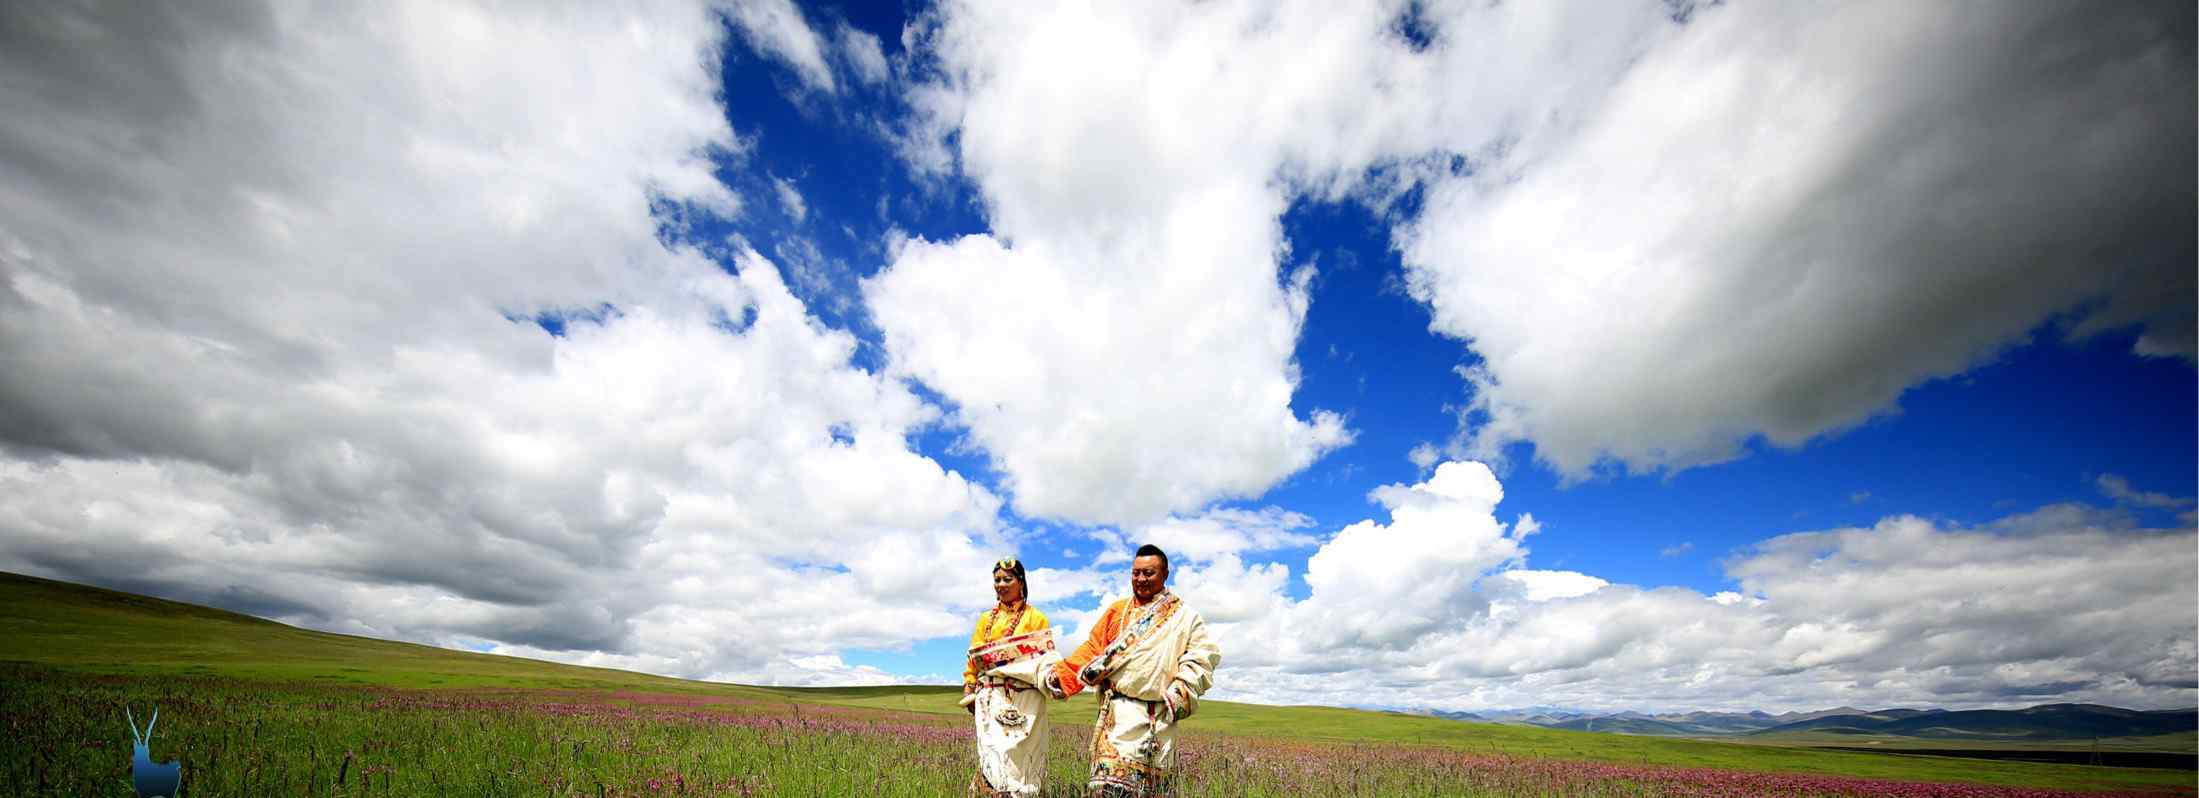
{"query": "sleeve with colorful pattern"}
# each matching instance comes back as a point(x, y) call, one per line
point(1103, 632)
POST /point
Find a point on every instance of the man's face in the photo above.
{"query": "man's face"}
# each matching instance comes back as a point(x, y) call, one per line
point(1147, 576)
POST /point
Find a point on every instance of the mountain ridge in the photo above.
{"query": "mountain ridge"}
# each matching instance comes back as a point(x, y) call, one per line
point(2053, 721)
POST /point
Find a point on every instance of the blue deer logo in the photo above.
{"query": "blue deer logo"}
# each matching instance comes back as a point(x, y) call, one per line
point(149, 778)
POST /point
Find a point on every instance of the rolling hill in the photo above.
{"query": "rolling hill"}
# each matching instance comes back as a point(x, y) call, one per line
point(2044, 722)
point(57, 630)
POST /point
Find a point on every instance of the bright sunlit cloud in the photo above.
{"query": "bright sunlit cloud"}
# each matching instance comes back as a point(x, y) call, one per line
point(737, 340)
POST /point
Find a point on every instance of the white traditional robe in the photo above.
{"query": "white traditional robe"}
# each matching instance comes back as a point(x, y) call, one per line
point(1011, 727)
point(1151, 673)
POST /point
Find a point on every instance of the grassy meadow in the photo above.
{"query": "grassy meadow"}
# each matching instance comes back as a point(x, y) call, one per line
point(255, 708)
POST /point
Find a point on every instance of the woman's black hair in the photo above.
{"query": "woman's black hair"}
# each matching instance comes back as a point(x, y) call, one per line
point(1015, 567)
point(1150, 550)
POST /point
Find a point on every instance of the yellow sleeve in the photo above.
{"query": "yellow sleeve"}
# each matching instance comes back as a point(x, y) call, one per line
point(969, 666)
point(1034, 620)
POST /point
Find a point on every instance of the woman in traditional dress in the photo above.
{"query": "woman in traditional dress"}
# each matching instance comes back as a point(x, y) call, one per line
point(1010, 653)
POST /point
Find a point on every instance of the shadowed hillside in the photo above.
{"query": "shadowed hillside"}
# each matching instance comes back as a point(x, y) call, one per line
point(2045, 722)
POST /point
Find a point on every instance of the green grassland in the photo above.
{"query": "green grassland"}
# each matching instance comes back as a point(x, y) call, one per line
point(53, 628)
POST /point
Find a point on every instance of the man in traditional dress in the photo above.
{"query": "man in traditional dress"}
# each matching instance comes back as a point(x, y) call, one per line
point(1150, 659)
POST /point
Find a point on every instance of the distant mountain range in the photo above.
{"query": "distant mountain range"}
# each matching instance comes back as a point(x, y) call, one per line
point(2043, 722)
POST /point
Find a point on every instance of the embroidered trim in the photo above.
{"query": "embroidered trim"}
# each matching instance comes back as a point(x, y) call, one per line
point(1123, 778)
point(1149, 617)
point(993, 634)
point(980, 788)
point(1117, 774)
point(1014, 648)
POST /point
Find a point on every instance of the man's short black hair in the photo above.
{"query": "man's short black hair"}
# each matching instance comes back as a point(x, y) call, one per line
point(1150, 550)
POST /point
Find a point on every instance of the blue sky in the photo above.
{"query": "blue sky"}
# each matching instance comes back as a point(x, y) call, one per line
point(2034, 424)
point(1538, 357)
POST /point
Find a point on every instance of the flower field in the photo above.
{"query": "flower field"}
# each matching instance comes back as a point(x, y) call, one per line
point(65, 736)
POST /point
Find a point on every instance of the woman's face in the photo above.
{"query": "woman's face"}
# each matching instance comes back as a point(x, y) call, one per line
point(1006, 586)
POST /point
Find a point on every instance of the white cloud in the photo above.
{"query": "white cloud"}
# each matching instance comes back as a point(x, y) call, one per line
point(1715, 226)
point(776, 28)
point(268, 346)
point(258, 331)
point(1696, 212)
point(1379, 586)
point(863, 53)
point(790, 198)
point(1222, 531)
point(1134, 277)
point(1424, 455)
point(1530, 585)
point(1084, 383)
point(2116, 487)
point(1439, 607)
point(1228, 590)
point(1783, 216)
point(1049, 585)
point(1676, 549)
point(2065, 603)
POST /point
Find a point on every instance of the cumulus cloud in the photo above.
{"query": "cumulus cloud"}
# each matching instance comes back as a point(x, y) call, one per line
point(275, 340)
point(1087, 390)
point(1663, 234)
point(1221, 531)
point(1135, 275)
point(1781, 217)
point(1207, 555)
point(1438, 607)
point(1373, 585)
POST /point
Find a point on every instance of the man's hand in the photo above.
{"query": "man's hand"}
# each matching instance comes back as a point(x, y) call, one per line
point(1179, 699)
